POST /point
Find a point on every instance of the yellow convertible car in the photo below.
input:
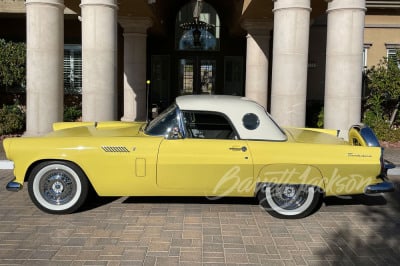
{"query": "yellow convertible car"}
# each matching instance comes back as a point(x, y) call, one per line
point(212, 146)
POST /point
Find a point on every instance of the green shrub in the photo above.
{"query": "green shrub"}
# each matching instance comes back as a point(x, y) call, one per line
point(12, 119)
point(72, 113)
point(383, 101)
point(385, 133)
point(12, 64)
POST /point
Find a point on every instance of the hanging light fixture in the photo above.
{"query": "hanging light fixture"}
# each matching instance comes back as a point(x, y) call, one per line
point(196, 17)
point(196, 26)
point(198, 6)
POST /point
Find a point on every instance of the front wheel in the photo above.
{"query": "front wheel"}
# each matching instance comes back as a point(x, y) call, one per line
point(289, 201)
point(57, 187)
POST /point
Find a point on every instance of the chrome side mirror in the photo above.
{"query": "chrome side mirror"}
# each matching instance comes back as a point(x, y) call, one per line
point(174, 133)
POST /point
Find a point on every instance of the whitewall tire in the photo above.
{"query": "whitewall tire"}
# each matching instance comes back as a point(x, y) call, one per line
point(57, 187)
point(289, 201)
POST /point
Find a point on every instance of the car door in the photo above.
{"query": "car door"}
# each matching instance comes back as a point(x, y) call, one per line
point(210, 160)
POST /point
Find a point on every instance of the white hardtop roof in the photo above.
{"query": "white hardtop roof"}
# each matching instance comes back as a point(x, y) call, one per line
point(212, 102)
point(235, 108)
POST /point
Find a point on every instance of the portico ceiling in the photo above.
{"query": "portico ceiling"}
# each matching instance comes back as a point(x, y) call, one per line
point(232, 12)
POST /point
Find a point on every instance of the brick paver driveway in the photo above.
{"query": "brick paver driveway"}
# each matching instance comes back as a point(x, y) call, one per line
point(171, 231)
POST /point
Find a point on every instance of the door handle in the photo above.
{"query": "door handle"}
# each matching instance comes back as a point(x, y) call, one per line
point(243, 148)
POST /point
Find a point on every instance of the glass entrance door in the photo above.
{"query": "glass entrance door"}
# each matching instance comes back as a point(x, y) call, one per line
point(196, 75)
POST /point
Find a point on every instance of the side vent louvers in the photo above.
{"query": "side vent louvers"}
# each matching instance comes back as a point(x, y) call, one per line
point(114, 149)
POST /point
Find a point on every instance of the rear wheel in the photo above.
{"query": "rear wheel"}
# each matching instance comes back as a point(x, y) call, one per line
point(289, 201)
point(58, 187)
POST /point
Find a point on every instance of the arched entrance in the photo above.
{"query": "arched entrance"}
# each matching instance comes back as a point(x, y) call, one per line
point(197, 36)
point(204, 57)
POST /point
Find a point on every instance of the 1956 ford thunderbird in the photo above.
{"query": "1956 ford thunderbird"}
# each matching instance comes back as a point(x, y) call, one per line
point(213, 146)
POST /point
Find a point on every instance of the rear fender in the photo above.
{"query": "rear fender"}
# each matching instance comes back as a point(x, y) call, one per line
point(290, 174)
point(362, 135)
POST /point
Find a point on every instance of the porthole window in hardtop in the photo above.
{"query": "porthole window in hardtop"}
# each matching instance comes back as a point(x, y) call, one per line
point(208, 125)
point(197, 27)
point(251, 121)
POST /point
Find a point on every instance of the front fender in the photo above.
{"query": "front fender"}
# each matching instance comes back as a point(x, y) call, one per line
point(291, 174)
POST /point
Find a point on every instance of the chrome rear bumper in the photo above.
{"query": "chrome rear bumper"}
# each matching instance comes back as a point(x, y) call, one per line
point(383, 187)
point(387, 165)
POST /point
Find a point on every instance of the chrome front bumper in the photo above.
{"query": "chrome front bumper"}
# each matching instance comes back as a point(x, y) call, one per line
point(6, 165)
point(14, 186)
point(9, 165)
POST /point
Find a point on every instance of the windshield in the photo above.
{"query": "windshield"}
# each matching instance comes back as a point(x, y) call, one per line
point(164, 123)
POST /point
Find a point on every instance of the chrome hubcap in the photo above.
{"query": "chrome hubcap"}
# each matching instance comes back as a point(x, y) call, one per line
point(57, 187)
point(289, 192)
point(289, 197)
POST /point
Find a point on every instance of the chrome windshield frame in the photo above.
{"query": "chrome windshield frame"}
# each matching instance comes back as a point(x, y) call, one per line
point(179, 119)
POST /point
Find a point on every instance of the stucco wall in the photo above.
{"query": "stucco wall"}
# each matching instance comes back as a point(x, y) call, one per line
point(380, 30)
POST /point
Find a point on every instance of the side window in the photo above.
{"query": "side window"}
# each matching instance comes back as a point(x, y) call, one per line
point(204, 125)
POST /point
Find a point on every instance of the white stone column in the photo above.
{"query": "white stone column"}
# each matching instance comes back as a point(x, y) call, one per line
point(290, 60)
point(135, 34)
point(257, 61)
point(99, 60)
point(44, 65)
point(344, 65)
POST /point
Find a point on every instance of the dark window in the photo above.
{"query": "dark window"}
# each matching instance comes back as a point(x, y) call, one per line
point(392, 54)
point(72, 69)
point(206, 125)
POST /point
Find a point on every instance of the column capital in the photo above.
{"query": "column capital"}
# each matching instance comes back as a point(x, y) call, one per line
point(258, 26)
point(135, 24)
point(345, 4)
point(107, 3)
point(57, 3)
point(291, 4)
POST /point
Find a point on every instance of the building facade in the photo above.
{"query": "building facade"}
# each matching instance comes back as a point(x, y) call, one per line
point(284, 54)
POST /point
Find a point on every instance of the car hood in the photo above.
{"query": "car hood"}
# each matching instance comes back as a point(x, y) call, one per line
point(97, 129)
point(317, 136)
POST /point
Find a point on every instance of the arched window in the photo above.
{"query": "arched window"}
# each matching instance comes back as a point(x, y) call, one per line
point(197, 27)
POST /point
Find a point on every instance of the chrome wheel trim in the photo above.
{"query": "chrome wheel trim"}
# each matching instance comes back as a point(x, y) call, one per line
point(57, 187)
point(289, 200)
